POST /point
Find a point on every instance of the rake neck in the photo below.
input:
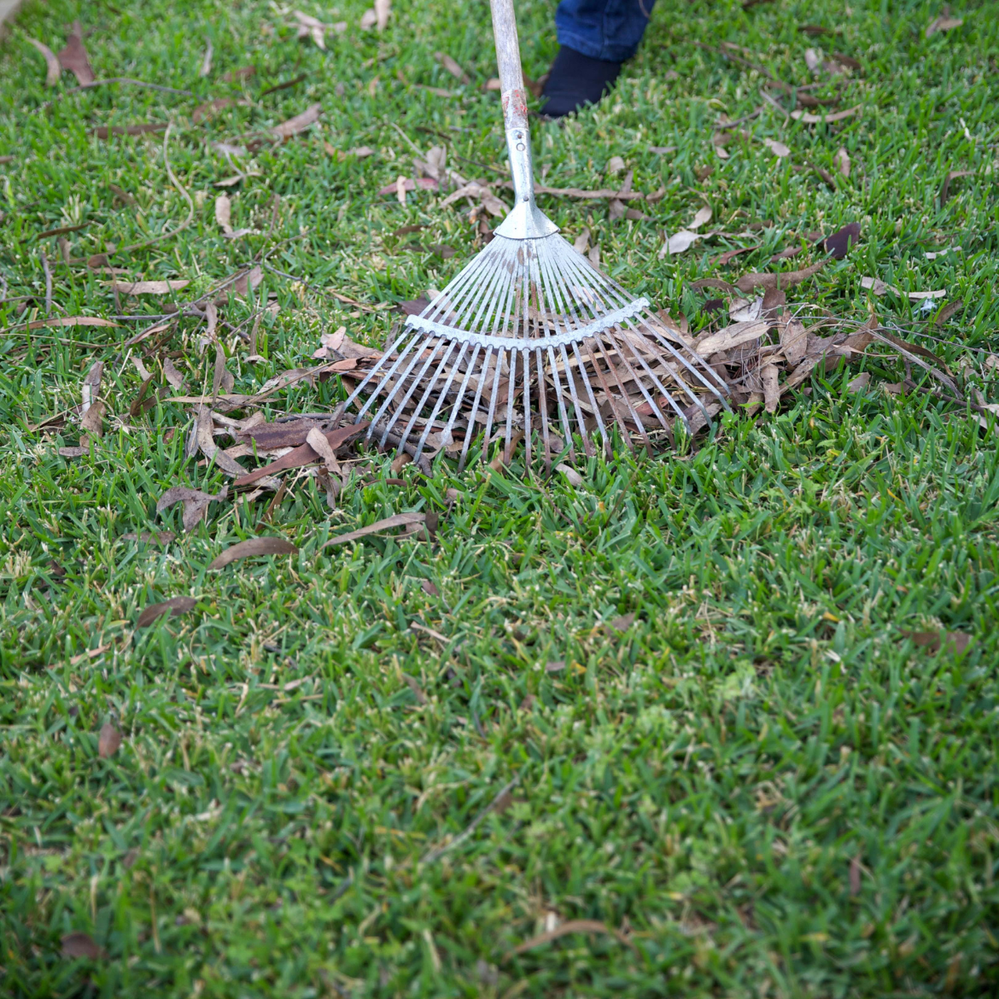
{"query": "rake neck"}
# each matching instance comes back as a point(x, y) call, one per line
point(526, 221)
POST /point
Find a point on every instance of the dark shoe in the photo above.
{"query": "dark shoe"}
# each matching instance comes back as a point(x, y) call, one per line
point(576, 80)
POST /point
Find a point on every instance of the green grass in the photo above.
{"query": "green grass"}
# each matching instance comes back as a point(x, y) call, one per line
point(761, 781)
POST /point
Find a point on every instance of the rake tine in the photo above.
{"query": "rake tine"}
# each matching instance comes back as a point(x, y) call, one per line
point(657, 384)
point(625, 433)
point(492, 400)
point(382, 360)
point(543, 409)
point(511, 389)
point(441, 396)
point(397, 412)
point(426, 395)
point(470, 432)
point(593, 400)
point(625, 341)
point(588, 448)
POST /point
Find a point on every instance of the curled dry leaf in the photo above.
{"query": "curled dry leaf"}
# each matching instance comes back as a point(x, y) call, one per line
point(572, 476)
point(942, 24)
point(252, 547)
point(108, 742)
point(735, 335)
point(783, 280)
point(808, 118)
point(615, 165)
point(879, 287)
point(571, 926)
point(703, 217)
point(74, 57)
point(777, 148)
point(223, 212)
point(678, 243)
point(194, 500)
point(146, 287)
point(954, 642)
point(452, 67)
point(310, 27)
point(411, 521)
point(842, 161)
point(949, 179)
point(299, 123)
point(81, 945)
point(52, 67)
point(206, 60)
point(813, 59)
point(175, 606)
point(38, 324)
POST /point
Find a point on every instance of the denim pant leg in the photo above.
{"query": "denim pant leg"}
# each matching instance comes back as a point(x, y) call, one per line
point(603, 29)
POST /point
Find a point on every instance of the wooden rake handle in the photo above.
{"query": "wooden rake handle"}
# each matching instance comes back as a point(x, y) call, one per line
point(508, 57)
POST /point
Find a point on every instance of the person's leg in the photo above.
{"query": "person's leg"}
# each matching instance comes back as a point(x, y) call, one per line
point(595, 36)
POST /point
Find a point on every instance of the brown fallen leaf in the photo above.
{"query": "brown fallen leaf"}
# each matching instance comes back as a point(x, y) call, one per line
point(223, 212)
point(415, 687)
point(247, 281)
point(429, 588)
point(722, 259)
point(948, 311)
point(303, 455)
point(268, 436)
point(815, 29)
point(81, 945)
point(252, 547)
point(206, 59)
point(859, 383)
point(106, 131)
point(793, 340)
point(377, 16)
point(38, 324)
point(172, 375)
point(175, 606)
point(571, 926)
point(299, 123)
point(838, 244)
point(786, 254)
point(243, 73)
point(953, 642)
point(52, 67)
point(949, 179)
point(771, 391)
point(782, 280)
point(210, 108)
point(195, 503)
point(159, 537)
point(74, 57)
point(146, 287)
point(407, 520)
point(678, 243)
point(108, 742)
point(855, 883)
point(731, 336)
point(943, 23)
point(310, 27)
point(842, 161)
point(452, 67)
point(777, 148)
point(703, 217)
point(808, 118)
point(572, 476)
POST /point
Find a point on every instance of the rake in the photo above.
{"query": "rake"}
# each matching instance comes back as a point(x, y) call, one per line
point(530, 318)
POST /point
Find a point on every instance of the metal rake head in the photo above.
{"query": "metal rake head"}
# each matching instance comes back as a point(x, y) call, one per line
point(530, 335)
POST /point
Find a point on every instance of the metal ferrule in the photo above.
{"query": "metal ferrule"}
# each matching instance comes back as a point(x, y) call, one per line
point(526, 220)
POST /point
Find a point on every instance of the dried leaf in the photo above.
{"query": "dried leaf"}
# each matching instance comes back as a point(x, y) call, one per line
point(615, 165)
point(777, 148)
point(452, 67)
point(771, 391)
point(953, 642)
point(784, 280)
point(108, 742)
point(146, 287)
point(408, 520)
point(297, 124)
point(838, 244)
point(310, 27)
point(38, 324)
point(815, 119)
point(949, 179)
point(81, 945)
point(573, 477)
point(243, 73)
point(414, 686)
point(175, 606)
point(172, 375)
point(702, 217)
point(195, 503)
point(722, 259)
point(678, 243)
point(316, 439)
point(210, 108)
point(106, 131)
point(731, 336)
point(855, 883)
point(206, 61)
point(52, 67)
point(74, 57)
point(859, 383)
point(582, 242)
point(879, 287)
point(786, 254)
point(876, 285)
point(793, 340)
point(947, 311)
point(571, 926)
point(223, 212)
point(429, 588)
point(303, 455)
point(942, 24)
point(252, 547)
point(813, 59)
point(842, 161)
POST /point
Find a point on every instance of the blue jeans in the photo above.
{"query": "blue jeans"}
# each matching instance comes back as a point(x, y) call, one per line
point(603, 29)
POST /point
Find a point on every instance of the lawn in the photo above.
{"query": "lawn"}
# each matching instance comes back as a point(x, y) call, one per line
point(734, 708)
